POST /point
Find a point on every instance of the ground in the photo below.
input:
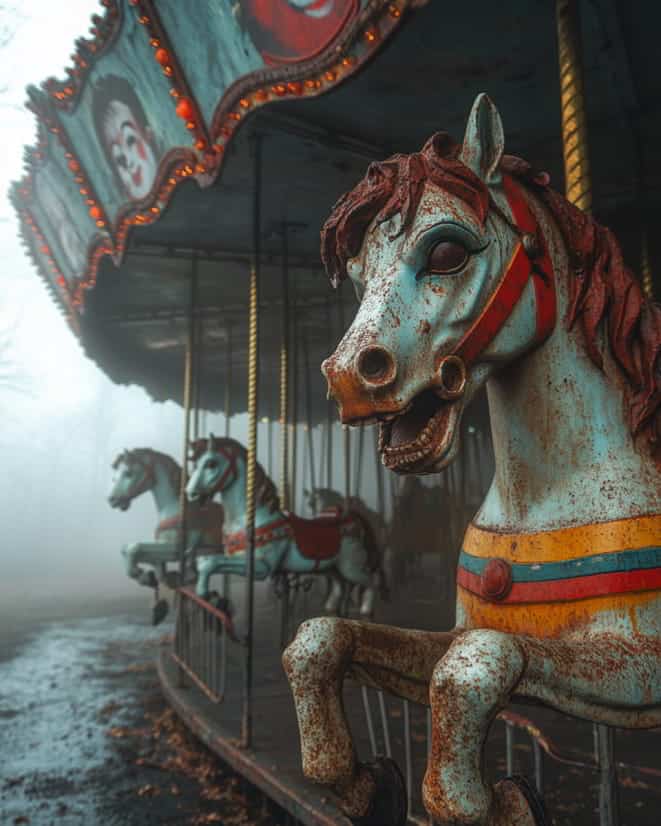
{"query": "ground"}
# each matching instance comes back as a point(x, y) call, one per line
point(88, 739)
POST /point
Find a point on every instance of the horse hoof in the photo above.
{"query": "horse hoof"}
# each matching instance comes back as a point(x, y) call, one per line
point(389, 803)
point(533, 798)
point(159, 612)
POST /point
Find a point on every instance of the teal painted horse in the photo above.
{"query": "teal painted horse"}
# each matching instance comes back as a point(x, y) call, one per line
point(139, 471)
point(341, 546)
point(472, 271)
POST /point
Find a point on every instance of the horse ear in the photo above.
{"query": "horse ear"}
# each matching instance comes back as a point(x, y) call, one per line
point(484, 141)
point(211, 444)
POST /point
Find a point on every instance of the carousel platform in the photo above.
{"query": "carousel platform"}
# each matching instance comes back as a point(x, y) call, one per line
point(273, 765)
point(379, 724)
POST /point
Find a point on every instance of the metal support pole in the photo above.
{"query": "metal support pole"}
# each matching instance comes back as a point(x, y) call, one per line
point(198, 334)
point(253, 364)
point(330, 419)
point(228, 380)
point(308, 416)
point(509, 749)
point(188, 392)
point(358, 462)
point(608, 797)
point(578, 183)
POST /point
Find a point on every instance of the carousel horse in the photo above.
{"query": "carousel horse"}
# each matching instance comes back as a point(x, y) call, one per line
point(327, 501)
point(339, 545)
point(471, 271)
point(138, 471)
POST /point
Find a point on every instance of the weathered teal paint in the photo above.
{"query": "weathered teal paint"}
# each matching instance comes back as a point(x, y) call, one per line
point(143, 470)
point(570, 485)
point(222, 469)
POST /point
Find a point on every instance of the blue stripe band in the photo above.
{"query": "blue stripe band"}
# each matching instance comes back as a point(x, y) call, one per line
point(616, 562)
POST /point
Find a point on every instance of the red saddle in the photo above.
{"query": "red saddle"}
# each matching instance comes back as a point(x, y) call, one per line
point(319, 538)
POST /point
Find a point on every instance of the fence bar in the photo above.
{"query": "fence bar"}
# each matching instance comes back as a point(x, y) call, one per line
point(538, 756)
point(384, 723)
point(408, 756)
point(368, 717)
point(608, 797)
point(509, 748)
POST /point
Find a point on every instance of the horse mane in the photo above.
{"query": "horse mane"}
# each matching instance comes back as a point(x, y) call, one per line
point(265, 490)
point(605, 299)
point(173, 469)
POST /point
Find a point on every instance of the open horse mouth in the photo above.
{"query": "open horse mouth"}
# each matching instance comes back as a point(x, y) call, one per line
point(419, 438)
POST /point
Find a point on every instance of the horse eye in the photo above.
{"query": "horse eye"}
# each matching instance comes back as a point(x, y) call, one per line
point(447, 257)
point(212, 464)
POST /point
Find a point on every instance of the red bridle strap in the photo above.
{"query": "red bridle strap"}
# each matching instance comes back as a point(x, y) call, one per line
point(542, 266)
point(230, 469)
point(505, 297)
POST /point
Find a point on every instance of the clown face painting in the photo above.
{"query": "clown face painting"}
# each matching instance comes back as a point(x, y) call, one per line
point(127, 140)
point(287, 31)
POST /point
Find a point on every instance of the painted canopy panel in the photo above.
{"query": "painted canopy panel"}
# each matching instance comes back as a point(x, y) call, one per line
point(155, 97)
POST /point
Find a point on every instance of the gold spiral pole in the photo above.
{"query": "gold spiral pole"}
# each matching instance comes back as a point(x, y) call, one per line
point(251, 459)
point(578, 181)
point(284, 378)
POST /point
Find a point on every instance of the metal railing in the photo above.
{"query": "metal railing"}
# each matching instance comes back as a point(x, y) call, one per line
point(200, 643)
point(402, 730)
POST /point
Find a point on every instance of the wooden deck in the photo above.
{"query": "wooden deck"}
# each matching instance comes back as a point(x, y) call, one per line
point(273, 764)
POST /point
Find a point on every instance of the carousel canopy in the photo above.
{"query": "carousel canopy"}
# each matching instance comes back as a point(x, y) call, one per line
point(140, 195)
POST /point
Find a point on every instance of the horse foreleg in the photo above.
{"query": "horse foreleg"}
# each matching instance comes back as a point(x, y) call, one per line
point(326, 650)
point(335, 594)
point(603, 678)
point(132, 554)
point(469, 685)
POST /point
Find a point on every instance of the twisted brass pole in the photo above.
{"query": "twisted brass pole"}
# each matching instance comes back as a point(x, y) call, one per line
point(578, 182)
point(251, 459)
point(284, 378)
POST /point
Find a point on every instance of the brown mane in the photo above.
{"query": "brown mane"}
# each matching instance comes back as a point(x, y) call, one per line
point(604, 294)
point(265, 490)
point(140, 454)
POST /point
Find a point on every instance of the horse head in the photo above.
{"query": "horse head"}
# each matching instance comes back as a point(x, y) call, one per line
point(215, 469)
point(133, 475)
point(447, 262)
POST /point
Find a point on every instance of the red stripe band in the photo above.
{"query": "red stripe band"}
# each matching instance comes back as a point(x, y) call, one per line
point(567, 590)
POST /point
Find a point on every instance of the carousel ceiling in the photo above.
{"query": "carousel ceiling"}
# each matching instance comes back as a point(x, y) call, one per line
point(125, 208)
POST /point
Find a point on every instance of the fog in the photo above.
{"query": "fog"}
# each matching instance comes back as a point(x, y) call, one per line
point(63, 421)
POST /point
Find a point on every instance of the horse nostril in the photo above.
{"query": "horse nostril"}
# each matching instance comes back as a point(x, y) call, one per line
point(375, 366)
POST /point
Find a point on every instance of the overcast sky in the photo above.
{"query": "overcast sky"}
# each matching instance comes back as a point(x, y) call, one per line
point(62, 429)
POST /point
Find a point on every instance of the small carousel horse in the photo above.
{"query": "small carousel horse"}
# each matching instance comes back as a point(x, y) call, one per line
point(340, 545)
point(472, 271)
point(141, 470)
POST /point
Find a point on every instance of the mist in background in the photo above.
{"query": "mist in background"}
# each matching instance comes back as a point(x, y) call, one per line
point(63, 421)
